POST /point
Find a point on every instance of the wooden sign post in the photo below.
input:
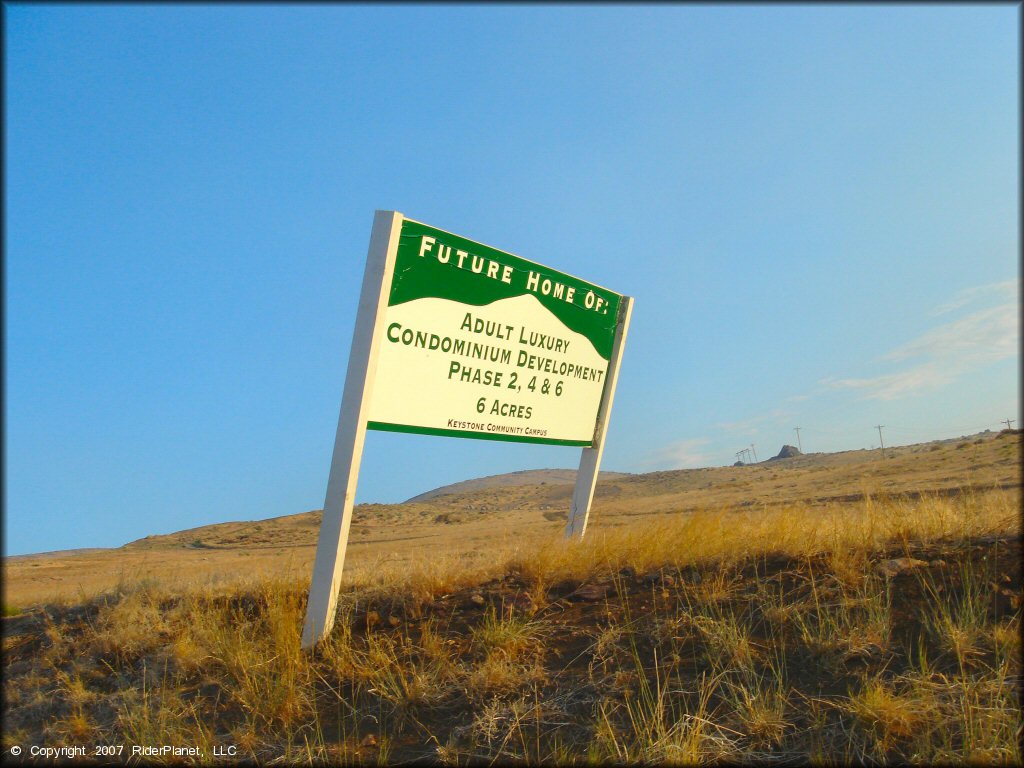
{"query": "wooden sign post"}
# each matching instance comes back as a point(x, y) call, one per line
point(456, 338)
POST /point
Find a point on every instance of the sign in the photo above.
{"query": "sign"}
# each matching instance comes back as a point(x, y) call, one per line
point(482, 344)
point(459, 339)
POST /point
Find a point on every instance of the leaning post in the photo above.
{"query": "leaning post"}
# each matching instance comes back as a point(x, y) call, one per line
point(351, 432)
point(590, 459)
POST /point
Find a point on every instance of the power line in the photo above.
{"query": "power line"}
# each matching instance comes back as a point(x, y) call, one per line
point(744, 455)
point(948, 429)
point(926, 431)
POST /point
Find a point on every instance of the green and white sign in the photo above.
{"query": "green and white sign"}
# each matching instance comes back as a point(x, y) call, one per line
point(456, 338)
point(479, 343)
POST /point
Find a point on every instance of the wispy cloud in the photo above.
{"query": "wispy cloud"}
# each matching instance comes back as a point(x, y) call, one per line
point(1007, 289)
point(891, 386)
point(750, 426)
point(981, 337)
point(947, 351)
point(682, 454)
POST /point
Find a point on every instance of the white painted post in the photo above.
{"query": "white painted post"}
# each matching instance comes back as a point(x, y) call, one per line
point(348, 440)
point(590, 460)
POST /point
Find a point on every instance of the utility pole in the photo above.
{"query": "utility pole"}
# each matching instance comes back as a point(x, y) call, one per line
point(798, 443)
point(755, 452)
point(1008, 423)
point(738, 455)
point(882, 442)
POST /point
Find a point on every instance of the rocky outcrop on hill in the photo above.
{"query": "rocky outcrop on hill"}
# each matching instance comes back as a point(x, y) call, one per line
point(787, 452)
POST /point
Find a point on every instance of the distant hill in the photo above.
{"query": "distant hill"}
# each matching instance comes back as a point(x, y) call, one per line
point(523, 477)
point(521, 509)
point(59, 553)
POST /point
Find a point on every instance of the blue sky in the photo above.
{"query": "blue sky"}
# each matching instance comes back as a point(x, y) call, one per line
point(815, 208)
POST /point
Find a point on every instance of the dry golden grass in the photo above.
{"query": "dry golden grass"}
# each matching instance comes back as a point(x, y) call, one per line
point(468, 526)
point(880, 629)
point(710, 643)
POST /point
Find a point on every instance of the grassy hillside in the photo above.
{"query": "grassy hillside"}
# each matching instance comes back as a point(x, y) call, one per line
point(524, 477)
point(469, 526)
point(877, 630)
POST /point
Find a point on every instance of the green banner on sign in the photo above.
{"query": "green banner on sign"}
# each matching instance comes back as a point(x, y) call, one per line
point(480, 343)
